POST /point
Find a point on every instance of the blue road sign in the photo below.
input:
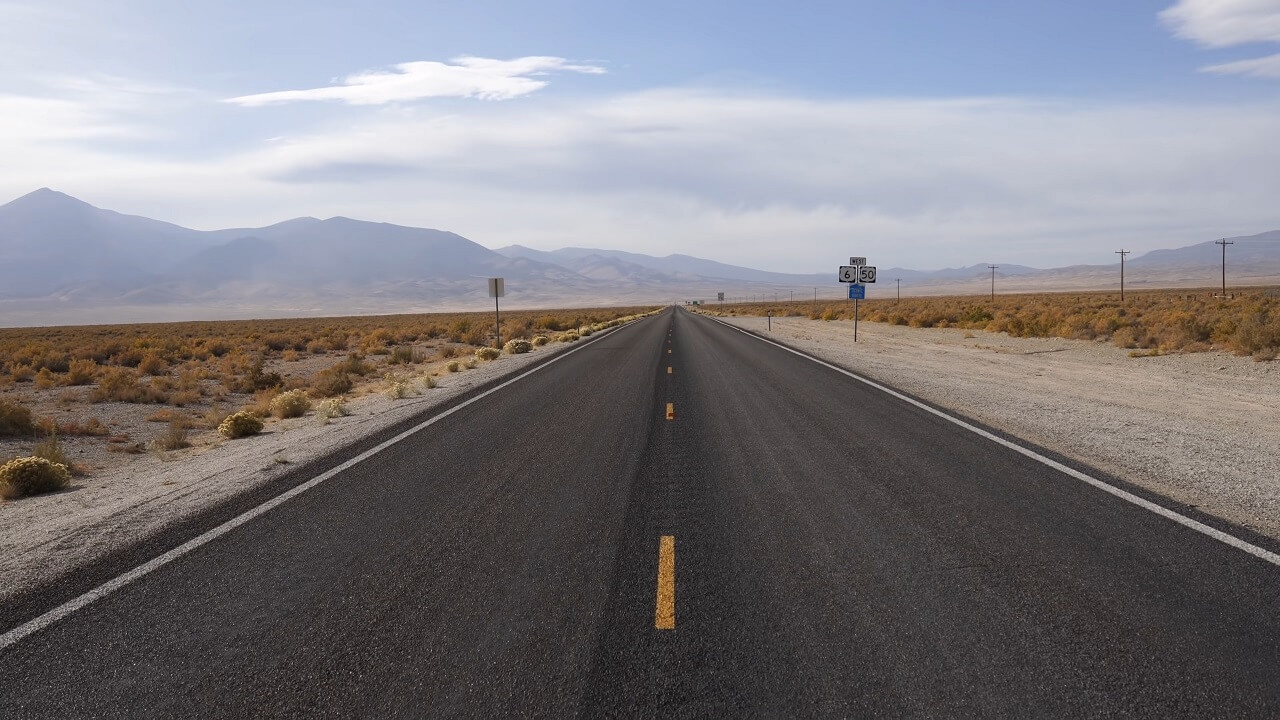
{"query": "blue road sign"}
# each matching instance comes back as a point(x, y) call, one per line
point(857, 292)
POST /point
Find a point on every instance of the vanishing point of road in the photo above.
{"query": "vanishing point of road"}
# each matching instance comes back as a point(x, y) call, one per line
point(674, 519)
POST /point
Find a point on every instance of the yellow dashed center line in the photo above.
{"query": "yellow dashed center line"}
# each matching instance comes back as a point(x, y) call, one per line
point(668, 369)
point(664, 618)
point(671, 411)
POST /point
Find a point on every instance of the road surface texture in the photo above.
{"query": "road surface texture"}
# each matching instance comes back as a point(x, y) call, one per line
point(830, 551)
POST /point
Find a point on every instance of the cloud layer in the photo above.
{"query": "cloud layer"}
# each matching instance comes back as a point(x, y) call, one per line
point(470, 77)
point(762, 180)
point(1228, 23)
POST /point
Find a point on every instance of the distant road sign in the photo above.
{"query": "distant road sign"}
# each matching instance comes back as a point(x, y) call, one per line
point(857, 292)
point(867, 273)
point(857, 261)
point(848, 273)
point(497, 287)
point(720, 297)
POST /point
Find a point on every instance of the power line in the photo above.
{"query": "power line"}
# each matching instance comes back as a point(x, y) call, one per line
point(1224, 243)
point(993, 281)
point(1122, 252)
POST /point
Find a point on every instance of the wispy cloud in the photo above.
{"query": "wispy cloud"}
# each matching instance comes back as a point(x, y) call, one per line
point(1228, 23)
point(482, 78)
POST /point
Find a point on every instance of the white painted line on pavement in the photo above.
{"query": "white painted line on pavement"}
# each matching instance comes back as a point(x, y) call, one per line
point(1177, 517)
point(43, 621)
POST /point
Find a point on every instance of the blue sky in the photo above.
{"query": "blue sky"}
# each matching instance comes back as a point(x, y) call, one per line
point(779, 135)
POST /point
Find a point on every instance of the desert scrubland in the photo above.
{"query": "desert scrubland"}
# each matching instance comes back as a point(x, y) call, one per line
point(1174, 391)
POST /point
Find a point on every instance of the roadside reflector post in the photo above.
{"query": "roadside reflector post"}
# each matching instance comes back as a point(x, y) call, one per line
point(497, 288)
point(770, 321)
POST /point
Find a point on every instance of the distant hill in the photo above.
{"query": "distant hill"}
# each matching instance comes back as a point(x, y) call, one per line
point(79, 263)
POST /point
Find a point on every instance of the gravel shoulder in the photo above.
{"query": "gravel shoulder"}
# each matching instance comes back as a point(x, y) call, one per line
point(1200, 428)
point(45, 536)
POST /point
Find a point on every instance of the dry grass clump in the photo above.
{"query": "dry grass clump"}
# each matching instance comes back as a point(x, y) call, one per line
point(517, 346)
point(175, 437)
point(487, 353)
point(15, 419)
point(25, 476)
point(333, 408)
point(540, 340)
point(453, 366)
point(290, 404)
point(567, 337)
point(397, 387)
point(240, 424)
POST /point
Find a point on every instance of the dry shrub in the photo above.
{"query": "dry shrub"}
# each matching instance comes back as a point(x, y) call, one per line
point(241, 424)
point(404, 355)
point(517, 347)
point(397, 387)
point(487, 353)
point(290, 356)
point(81, 372)
point(333, 408)
point(22, 373)
point(331, 382)
point(15, 419)
point(448, 351)
point(183, 398)
point(540, 340)
point(453, 366)
point(290, 404)
point(31, 476)
point(45, 379)
point(152, 364)
point(93, 427)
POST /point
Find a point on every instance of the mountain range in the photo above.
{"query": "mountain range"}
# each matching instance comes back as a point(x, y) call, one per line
point(67, 261)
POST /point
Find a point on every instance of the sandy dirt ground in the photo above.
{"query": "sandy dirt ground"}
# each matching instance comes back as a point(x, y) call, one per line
point(125, 498)
point(1200, 428)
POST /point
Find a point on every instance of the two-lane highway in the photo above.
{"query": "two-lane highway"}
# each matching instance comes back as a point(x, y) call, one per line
point(830, 550)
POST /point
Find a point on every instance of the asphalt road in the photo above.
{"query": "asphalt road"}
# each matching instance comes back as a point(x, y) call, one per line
point(837, 552)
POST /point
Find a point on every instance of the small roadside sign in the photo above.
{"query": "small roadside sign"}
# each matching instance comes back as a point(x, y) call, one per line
point(866, 273)
point(857, 292)
point(857, 261)
point(497, 287)
point(720, 297)
point(848, 273)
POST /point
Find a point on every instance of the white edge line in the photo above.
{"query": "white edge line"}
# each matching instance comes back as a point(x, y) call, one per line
point(50, 617)
point(1177, 517)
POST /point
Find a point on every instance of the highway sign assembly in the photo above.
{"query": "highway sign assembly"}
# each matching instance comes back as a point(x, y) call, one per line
point(857, 292)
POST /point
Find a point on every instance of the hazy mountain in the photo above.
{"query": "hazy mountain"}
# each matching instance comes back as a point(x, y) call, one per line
point(78, 263)
point(674, 267)
point(57, 242)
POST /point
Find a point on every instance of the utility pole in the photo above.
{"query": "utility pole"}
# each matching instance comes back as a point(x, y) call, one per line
point(1122, 253)
point(793, 296)
point(899, 281)
point(993, 281)
point(1224, 243)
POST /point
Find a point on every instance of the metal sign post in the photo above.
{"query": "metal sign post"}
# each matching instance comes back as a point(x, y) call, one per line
point(857, 273)
point(497, 288)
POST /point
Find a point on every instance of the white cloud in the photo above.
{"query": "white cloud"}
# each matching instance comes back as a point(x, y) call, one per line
point(1224, 23)
point(1227, 23)
point(1268, 67)
point(481, 78)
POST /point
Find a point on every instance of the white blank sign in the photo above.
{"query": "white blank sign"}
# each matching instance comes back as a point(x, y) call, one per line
point(497, 287)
